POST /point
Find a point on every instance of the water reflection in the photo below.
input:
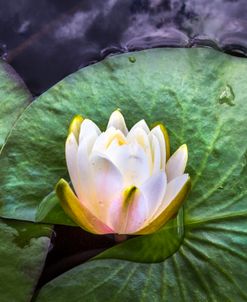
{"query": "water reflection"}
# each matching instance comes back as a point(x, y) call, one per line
point(47, 40)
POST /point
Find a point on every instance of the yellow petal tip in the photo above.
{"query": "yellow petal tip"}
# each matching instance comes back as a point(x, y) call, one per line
point(75, 125)
point(184, 148)
point(129, 194)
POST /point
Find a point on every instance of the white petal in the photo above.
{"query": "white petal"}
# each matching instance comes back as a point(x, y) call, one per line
point(138, 135)
point(85, 191)
point(107, 182)
point(177, 162)
point(88, 128)
point(172, 190)
point(89, 142)
point(127, 216)
point(158, 133)
point(71, 149)
point(77, 210)
point(141, 124)
point(156, 153)
point(117, 121)
point(132, 162)
point(154, 190)
point(80, 170)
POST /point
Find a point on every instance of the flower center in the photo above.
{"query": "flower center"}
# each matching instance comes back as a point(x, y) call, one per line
point(119, 138)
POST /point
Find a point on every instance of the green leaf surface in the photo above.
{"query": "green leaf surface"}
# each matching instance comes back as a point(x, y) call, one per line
point(14, 98)
point(200, 95)
point(23, 249)
point(209, 266)
point(49, 210)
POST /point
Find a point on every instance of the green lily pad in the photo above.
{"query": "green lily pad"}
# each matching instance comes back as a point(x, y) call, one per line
point(200, 95)
point(49, 210)
point(14, 98)
point(209, 266)
point(23, 251)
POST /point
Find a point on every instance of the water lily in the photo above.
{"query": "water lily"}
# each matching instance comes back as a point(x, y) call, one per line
point(125, 182)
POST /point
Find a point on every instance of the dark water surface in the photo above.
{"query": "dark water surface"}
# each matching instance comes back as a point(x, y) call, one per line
point(47, 40)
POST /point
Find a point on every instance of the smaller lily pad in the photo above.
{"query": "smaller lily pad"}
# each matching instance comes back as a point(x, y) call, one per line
point(23, 251)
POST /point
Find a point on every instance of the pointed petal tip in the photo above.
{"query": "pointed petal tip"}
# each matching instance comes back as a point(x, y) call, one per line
point(75, 125)
point(60, 188)
point(184, 147)
point(60, 183)
point(184, 150)
point(117, 121)
point(117, 114)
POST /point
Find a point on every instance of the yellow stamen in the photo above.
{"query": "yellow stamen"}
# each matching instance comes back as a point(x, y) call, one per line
point(119, 137)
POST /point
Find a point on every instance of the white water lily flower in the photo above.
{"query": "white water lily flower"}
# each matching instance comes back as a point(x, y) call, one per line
point(125, 182)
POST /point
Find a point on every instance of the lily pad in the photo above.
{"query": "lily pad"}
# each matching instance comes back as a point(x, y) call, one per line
point(200, 95)
point(50, 210)
point(14, 98)
point(209, 266)
point(23, 251)
point(24, 246)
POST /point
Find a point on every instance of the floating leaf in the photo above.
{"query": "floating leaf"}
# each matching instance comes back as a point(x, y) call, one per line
point(14, 97)
point(182, 88)
point(23, 250)
point(210, 265)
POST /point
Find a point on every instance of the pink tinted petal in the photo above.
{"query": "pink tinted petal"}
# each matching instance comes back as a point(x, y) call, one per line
point(128, 214)
point(107, 184)
point(78, 212)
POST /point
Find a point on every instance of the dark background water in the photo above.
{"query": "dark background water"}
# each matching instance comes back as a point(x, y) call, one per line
point(48, 39)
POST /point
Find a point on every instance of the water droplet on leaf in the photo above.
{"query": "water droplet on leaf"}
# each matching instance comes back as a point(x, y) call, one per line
point(132, 59)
